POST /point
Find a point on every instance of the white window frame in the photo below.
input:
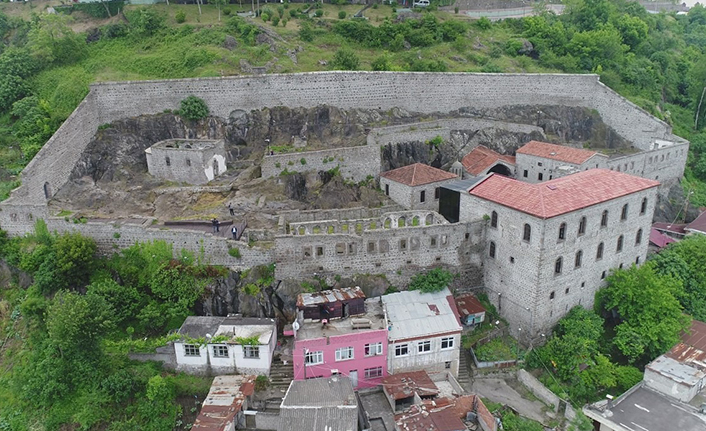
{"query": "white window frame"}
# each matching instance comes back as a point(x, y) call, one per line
point(251, 352)
point(424, 347)
point(400, 347)
point(314, 358)
point(218, 351)
point(373, 373)
point(192, 350)
point(373, 349)
point(449, 341)
point(345, 354)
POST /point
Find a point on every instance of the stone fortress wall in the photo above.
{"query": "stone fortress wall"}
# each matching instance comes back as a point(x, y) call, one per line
point(355, 163)
point(398, 252)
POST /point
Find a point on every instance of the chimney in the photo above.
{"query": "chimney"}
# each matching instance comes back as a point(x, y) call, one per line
point(610, 401)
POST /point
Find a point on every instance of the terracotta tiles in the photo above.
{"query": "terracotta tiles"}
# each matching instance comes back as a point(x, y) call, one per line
point(482, 158)
point(561, 195)
point(556, 152)
point(417, 174)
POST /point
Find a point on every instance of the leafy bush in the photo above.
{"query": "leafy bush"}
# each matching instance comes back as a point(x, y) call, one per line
point(484, 23)
point(432, 281)
point(345, 59)
point(306, 33)
point(235, 252)
point(341, 14)
point(275, 20)
point(193, 108)
point(319, 13)
point(226, 11)
point(181, 16)
point(261, 383)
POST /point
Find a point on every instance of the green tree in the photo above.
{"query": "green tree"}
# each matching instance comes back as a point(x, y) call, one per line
point(76, 323)
point(52, 40)
point(306, 33)
point(193, 108)
point(74, 259)
point(650, 318)
point(381, 63)
point(146, 21)
point(219, 4)
point(345, 59)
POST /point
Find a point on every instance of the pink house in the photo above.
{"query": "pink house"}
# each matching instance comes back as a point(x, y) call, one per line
point(354, 346)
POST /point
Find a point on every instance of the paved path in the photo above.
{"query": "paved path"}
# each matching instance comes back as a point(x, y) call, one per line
point(497, 390)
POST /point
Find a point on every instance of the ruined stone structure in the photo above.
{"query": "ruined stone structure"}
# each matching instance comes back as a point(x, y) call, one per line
point(187, 160)
point(390, 241)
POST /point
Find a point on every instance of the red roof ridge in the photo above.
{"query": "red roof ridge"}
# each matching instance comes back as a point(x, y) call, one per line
point(561, 153)
point(417, 174)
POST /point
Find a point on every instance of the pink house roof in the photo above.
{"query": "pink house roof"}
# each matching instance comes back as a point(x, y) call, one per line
point(417, 174)
point(560, 195)
point(659, 239)
point(698, 225)
point(556, 152)
point(676, 228)
point(481, 158)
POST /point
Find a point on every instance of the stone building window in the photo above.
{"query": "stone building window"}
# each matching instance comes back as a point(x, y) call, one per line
point(643, 207)
point(577, 260)
point(371, 247)
point(320, 251)
point(352, 248)
point(306, 251)
point(562, 231)
point(551, 295)
point(168, 161)
point(437, 193)
point(432, 242)
point(340, 249)
point(603, 275)
point(637, 260)
point(422, 196)
point(621, 266)
point(638, 237)
point(557, 266)
point(403, 244)
point(604, 218)
point(582, 226)
point(624, 213)
point(524, 174)
point(599, 252)
point(494, 219)
point(491, 251)
point(527, 233)
point(619, 246)
point(188, 162)
point(387, 190)
point(540, 176)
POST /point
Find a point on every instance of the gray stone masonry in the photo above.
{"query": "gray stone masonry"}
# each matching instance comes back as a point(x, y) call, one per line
point(355, 163)
point(187, 160)
point(411, 197)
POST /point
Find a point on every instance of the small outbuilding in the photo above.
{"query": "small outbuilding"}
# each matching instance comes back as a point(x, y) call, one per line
point(415, 186)
point(193, 161)
point(331, 304)
point(470, 309)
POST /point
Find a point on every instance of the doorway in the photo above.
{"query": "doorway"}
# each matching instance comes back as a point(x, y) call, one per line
point(354, 378)
point(215, 167)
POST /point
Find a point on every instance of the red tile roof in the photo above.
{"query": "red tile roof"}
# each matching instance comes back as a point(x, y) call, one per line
point(417, 174)
point(676, 228)
point(556, 152)
point(481, 158)
point(560, 195)
point(699, 224)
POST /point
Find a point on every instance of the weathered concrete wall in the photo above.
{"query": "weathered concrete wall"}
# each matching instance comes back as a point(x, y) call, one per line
point(355, 163)
point(538, 389)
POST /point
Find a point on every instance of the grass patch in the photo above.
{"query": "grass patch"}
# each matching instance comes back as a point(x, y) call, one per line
point(499, 349)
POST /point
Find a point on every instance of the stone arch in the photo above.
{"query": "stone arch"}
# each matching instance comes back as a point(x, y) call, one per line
point(388, 223)
point(501, 169)
point(47, 191)
point(415, 221)
point(401, 222)
point(215, 167)
point(429, 219)
point(316, 230)
point(301, 230)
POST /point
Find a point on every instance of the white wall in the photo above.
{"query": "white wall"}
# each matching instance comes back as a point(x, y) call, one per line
point(432, 361)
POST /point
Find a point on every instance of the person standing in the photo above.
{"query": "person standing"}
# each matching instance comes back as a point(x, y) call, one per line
point(218, 225)
point(234, 231)
point(230, 209)
point(213, 224)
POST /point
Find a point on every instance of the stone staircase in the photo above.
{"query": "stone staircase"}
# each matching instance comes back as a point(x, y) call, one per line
point(465, 378)
point(281, 374)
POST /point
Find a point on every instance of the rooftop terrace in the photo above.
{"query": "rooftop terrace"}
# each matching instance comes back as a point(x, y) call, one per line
point(373, 319)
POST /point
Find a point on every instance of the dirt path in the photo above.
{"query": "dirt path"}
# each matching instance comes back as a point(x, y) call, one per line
point(497, 390)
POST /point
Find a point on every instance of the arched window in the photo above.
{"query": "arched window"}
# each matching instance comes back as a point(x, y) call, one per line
point(638, 237)
point(557, 266)
point(624, 212)
point(562, 231)
point(599, 252)
point(491, 252)
point(643, 207)
point(579, 257)
point(582, 226)
point(619, 247)
point(527, 234)
point(604, 218)
point(168, 161)
point(494, 219)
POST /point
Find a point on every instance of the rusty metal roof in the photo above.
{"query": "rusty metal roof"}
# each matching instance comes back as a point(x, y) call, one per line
point(419, 418)
point(326, 296)
point(692, 349)
point(224, 401)
point(468, 304)
point(404, 385)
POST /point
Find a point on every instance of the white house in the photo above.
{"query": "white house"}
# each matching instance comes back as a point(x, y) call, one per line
point(424, 332)
point(226, 345)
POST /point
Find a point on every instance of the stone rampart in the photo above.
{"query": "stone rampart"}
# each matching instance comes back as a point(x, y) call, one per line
point(355, 163)
point(398, 219)
point(430, 129)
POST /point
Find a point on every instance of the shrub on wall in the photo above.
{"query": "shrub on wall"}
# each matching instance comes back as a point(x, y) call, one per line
point(193, 108)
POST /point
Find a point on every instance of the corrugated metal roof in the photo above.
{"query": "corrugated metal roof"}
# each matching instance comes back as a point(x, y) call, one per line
point(409, 314)
point(676, 371)
point(405, 385)
point(319, 419)
point(224, 401)
point(322, 392)
point(468, 304)
point(326, 296)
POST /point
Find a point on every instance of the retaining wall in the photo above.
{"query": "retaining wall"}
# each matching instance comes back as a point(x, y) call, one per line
point(538, 389)
point(355, 163)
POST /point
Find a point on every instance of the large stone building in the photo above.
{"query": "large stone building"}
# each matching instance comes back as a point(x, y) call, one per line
point(187, 160)
point(549, 246)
